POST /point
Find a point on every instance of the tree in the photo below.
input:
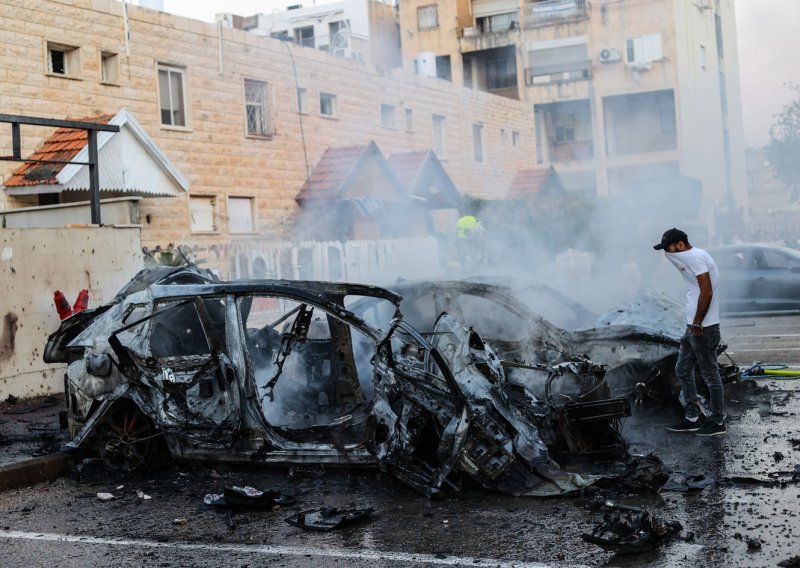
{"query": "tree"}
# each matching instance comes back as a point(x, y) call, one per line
point(784, 146)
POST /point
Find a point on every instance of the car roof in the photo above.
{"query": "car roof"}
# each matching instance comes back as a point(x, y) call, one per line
point(300, 288)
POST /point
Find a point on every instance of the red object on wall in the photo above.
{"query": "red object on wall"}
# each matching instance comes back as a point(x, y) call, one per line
point(62, 305)
point(81, 302)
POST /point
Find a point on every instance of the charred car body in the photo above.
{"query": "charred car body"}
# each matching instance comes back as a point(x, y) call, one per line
point(282, 372)
point(637, 342)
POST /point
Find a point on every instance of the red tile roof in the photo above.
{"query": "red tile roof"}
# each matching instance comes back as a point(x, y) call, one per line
point(534, 182)
point(407, 166)
point(64, 144)
point(330, 172)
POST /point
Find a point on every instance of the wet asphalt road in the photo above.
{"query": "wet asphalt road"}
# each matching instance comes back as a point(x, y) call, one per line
point(63, 523)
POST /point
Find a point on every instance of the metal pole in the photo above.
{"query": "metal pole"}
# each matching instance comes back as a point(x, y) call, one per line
point(16, 145)
point(94, 177)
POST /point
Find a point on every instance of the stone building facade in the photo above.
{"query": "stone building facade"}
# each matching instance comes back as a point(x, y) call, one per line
point(243, 118)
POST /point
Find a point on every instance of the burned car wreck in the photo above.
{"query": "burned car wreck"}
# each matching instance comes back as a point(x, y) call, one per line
point(637, 342)
point(281, 372)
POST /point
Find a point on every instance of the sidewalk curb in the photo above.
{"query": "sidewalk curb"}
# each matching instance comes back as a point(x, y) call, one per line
point(34, 470)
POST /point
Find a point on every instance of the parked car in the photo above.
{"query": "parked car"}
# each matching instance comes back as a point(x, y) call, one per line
point(282, 372)
point(758, 278)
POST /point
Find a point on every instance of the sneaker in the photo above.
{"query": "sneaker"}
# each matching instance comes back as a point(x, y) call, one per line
point(711, 428)
point(686, 426)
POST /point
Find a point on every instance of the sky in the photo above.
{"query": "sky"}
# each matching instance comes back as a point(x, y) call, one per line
point(767, 36)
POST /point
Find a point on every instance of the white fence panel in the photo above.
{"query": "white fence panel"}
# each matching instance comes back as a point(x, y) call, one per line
point(372, 262)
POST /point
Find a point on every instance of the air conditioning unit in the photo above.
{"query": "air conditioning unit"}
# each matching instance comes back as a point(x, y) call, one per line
point(609, 55)
point(471, 32)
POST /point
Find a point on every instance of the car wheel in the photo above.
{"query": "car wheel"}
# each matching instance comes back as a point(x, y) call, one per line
point(127, 439)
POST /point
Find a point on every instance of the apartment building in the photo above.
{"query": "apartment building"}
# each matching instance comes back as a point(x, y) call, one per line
point(632, 98)
point(233, 122)
point(365, 30)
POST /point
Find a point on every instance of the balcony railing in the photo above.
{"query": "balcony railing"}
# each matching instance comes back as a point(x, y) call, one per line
point(561, 73)
point(548, 12)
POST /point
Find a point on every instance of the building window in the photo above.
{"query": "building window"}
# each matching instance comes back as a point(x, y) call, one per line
point(703, 61)
point(338, 32)
point(109, 67)
point(409, 120)
point(257, 106)
point(171, 95)
point(477, 142)
point(439, 135)
point(501, 73)
point(644, 49)
point(387, 116)
point(241, 215)
point(203, 212)
point(63, 59)
point(428, 17)
point(443, 68)
point(304, 36)
point(327, 104)
point(565, 128)
point(301, 99)
point(498, 22)
point(514, 138)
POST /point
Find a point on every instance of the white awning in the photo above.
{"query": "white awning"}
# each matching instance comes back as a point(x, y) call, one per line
point(482, 8)
point(129, 162)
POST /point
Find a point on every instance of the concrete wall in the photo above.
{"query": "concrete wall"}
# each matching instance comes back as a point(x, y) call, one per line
point(117, 211)
point(33, 264)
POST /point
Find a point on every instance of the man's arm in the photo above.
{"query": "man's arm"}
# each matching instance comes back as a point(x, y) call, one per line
point(703, 302)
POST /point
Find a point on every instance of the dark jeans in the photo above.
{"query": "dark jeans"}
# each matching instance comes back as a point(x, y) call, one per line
point(701, 351)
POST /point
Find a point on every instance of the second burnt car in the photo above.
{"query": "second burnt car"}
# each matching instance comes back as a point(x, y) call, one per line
point(637, 342)
point(281, 372)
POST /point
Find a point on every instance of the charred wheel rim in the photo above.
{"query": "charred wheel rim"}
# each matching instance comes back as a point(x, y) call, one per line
point(126, 438)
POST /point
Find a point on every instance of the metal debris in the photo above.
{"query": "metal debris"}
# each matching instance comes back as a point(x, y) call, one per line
point(247, 497)
point(631, 530)
point(680, 481)
point(327, 518)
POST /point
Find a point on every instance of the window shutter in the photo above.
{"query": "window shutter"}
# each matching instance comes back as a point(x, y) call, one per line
point(176, 82)
point(163, 89)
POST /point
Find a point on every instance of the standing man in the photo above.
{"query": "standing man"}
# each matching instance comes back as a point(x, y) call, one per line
point(699, 343)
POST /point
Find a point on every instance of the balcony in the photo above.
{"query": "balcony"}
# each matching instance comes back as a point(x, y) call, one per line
point(560, 73)
point(490, 32)
point(550, 12)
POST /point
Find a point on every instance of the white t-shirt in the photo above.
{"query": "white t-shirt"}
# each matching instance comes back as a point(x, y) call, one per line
point(692, 263)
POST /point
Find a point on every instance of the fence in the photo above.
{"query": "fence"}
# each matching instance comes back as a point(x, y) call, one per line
point(371, 262)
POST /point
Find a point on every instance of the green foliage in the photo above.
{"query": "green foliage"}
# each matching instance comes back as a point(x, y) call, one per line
point(784, 146)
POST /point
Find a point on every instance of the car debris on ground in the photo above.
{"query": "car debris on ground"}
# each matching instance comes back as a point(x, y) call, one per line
point(631, 530)
point(327, 518)
point(248, 497)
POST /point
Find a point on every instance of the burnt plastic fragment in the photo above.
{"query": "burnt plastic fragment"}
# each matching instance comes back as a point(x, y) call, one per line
point(247, 497)
point(630, 530)
point(327, 518)
point(685, 482)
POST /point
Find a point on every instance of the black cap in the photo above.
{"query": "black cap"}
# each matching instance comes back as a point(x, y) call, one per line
point(671, 237)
